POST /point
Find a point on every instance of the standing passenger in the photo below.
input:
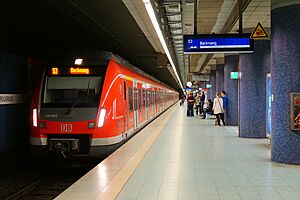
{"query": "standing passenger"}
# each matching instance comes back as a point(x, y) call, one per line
point(197, 103)
point(225, 100)
point(182, 100)
point(208, 108)
point(190, 102)
point(218, 108)
point(202, 102)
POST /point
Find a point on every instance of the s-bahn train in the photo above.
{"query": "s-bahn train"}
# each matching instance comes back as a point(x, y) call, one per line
point(91, 107)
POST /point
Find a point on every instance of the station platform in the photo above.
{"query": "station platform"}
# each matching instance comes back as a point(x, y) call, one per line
point(179, 157)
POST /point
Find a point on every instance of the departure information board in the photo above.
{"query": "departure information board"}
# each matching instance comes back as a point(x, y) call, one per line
point(218, 43)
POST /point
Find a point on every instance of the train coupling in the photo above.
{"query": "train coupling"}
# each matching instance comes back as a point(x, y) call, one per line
point(63, 144)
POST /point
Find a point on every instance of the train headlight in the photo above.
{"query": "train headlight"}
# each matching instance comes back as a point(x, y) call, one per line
point(78, 61)
point(101, 117)
point(34, 117)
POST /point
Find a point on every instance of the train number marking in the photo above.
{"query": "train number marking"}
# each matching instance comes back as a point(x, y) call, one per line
point(66, 127)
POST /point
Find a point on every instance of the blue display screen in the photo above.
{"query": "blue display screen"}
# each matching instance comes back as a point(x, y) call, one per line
point(218, 43)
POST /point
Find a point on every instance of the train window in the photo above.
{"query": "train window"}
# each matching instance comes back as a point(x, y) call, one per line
point(144, 98)
point(135, 99)
point(140, 99)
point(153, 96)
point(130, 99)
point(124, 90)
point(150, 98)
point(79, 91)
point(147, 98)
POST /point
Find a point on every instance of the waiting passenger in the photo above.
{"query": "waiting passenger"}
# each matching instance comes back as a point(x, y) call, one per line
point(197, 103)
point(202, 102)
point(218, 108)
point(225, 100)
point(208, 109)
point(182, 100)
point(190, 108)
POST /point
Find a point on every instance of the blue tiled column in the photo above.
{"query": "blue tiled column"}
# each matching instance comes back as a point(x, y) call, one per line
point(220, 77)
point(253, 68)
point(285, 71)
point(213, 84)
point(13, 117)
point(208, 94)
point(231, 87)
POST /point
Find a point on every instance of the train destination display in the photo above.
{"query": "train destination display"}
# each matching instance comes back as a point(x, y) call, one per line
point(218, 43)
point(75, 70)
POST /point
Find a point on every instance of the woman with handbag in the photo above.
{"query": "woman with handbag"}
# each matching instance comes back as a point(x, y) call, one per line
point(218, 108)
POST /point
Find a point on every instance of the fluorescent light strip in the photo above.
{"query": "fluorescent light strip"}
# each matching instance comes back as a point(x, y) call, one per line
point(154, 21)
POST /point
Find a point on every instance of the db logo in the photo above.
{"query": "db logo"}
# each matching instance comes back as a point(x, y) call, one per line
point(66, 127)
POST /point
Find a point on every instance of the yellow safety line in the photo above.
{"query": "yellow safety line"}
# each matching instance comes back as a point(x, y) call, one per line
point(114, 187)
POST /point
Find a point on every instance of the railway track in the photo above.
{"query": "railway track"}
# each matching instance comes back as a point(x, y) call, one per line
point(40, 186)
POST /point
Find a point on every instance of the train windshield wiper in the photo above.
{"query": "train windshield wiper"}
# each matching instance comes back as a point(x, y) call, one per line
point(79, 99)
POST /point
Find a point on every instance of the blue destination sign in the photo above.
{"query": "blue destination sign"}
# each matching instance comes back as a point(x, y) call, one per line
point(218, 43)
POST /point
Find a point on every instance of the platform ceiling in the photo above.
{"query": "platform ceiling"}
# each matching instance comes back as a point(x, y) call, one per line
point(52, 29)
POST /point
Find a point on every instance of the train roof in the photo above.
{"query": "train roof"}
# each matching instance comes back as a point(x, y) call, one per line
point(104, 57)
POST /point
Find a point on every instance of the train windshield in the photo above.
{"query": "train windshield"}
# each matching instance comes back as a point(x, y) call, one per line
point(72, 91)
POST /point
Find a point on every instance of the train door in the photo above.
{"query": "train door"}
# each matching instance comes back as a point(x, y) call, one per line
point(152, 102)
point(150, 107)
point(140, 105)
point(146, 104)
point(125, 107)
point(160, 101)
point(135, 107)
point(163, 100)
point(130, 109)
point(156, 102)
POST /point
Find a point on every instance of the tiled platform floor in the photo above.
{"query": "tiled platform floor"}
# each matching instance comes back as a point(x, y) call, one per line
point(189, 158)
point(193, 159)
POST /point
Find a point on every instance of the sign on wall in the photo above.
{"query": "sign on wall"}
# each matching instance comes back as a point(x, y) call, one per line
point(234, 75)
point(259, 32)
point(12, 99)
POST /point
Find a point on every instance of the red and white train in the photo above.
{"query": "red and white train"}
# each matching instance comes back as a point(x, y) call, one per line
point(91, 107)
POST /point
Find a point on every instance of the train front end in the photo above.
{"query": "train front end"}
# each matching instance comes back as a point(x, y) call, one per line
point(65, 113)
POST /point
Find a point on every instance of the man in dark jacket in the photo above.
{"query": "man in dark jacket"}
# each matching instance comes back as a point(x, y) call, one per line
point(202, 102)
point(225, 101)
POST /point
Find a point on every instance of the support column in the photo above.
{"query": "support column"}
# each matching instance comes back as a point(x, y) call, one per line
point(253, 69)
point(213, 84)
point(231, 87)
point(208, 94)
point(285, 79)
point(13, 116)
point(219, 77)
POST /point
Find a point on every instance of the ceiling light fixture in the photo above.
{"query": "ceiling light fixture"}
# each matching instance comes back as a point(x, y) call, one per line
point(151, 13)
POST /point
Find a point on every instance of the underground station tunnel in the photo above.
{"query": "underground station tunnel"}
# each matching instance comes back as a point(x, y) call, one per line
point(121, 99)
